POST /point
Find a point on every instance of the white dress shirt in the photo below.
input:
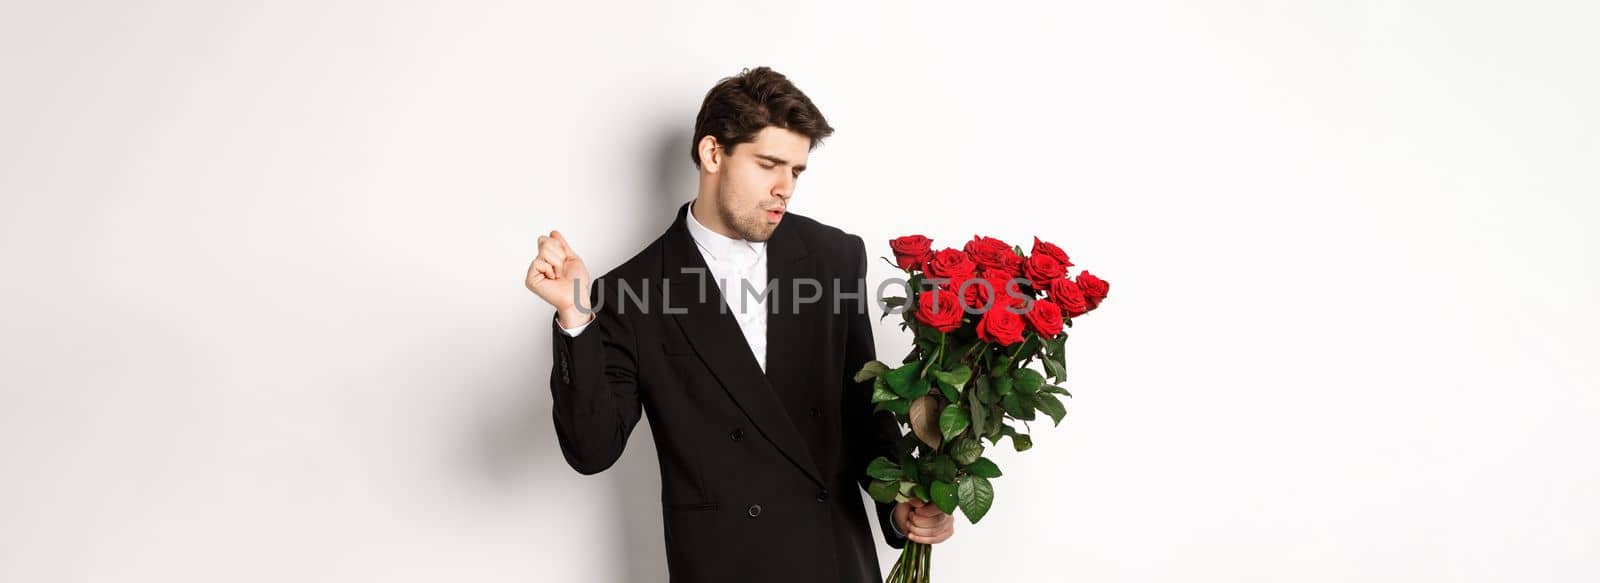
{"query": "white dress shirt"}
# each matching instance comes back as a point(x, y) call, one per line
point(736, 264)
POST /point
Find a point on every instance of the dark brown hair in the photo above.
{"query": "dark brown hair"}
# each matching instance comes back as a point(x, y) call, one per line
point(739, 107)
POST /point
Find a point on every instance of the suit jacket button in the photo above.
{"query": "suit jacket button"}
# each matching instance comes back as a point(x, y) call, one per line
point(738, 432)
point(822, 496)
point(816, 412)
point(755, 510)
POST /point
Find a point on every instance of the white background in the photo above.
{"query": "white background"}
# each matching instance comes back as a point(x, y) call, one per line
point(263, 312)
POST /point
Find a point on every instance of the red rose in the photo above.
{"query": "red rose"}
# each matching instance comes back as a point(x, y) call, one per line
point(974, 294)
point(1013, 265)
point(949, 264)
point(1000, 326)
point(1094, 288)
point(1045, 318)
point(992, 253)
point(1041, 247)
point(910, 250)
point(1041, 269)
point(1005, 288)
point(945, 316)
point(1066, 294)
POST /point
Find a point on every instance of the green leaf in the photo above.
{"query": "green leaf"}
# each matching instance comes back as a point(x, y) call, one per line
point(883, 491)
point(1002, 386)
point(1051, 406)
point(921, 492)
point(983, 467)
point(1020, 441)
point(951, 381)
point(944, 496)
point(1030, 346)
point(984, 392)
point(1052, 367)
point(960, 375)
point(919, 387)
point(943, 468)
point(975, 495)
point(1057, 390)
point(1029, 400)
point(966, 450)
point(883, 469)
point(953, 420)
point(1057, 357)
point(1018, 406)
point(996, 423)
point(881, 392)
point(911, 472)
point(979, 413)
point(1028, 380)
point(1000, 365)
point(871, 370)
point(900, 378)
point(897, 406)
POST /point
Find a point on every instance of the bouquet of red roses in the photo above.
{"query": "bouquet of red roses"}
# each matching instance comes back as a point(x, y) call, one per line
point(981, 315)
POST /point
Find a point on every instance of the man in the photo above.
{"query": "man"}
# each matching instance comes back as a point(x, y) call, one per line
point(762, 435)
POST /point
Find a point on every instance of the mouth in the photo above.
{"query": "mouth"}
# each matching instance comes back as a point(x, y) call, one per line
point(775, 215)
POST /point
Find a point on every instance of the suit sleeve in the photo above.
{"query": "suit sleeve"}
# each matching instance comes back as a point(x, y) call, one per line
point(593, 385)
point(869, 434)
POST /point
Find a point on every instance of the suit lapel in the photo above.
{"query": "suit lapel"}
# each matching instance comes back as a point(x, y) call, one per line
point(700, 311)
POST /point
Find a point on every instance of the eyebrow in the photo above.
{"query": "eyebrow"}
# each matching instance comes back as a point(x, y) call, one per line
point(777, 160)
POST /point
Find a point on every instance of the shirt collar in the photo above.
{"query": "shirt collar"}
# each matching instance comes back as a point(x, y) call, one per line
point(719, 246)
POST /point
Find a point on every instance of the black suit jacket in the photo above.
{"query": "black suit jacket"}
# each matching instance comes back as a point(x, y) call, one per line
point(761, 474)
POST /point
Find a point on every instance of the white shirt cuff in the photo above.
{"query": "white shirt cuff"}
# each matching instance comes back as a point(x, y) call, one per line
point(577, 330)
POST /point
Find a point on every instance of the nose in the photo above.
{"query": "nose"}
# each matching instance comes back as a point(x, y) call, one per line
point(785, 188)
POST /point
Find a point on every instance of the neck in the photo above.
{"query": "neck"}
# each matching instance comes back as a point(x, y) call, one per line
point(705, 212)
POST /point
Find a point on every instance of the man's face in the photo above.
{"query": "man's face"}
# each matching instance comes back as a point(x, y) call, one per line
point(757, 179)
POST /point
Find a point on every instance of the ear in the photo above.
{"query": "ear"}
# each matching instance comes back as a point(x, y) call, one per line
point(710, 153)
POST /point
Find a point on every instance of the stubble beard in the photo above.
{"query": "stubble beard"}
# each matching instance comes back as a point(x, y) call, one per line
point(748, 228)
